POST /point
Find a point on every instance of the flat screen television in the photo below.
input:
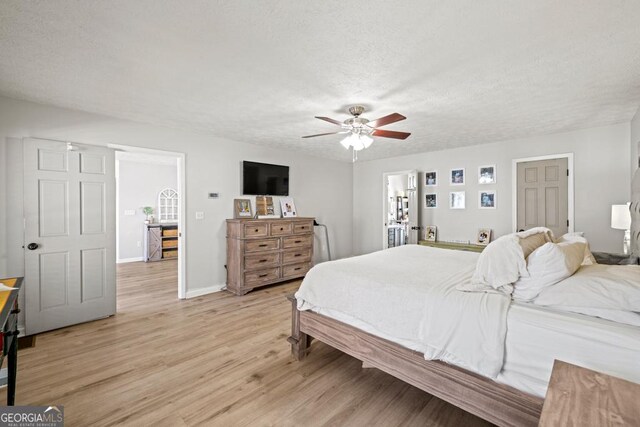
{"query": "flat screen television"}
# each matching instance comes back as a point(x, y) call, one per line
point(262, 179)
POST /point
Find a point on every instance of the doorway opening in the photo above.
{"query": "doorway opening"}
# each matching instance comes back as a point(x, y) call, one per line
point(543, 193)
point(150, 223)
point(400, 208)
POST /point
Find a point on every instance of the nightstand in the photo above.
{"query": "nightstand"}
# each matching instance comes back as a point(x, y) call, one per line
point(581, 397)
point(609, 258)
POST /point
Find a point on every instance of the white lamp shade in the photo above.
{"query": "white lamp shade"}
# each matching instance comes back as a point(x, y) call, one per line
point(620, 217)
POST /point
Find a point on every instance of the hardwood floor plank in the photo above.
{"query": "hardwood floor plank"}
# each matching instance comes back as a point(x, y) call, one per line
point(215, 360)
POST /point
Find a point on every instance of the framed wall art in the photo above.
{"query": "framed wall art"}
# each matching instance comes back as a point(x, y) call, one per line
point(457, 200)
point(487, 199)
point(456, 176)
point(431, 200)
point(487, 174)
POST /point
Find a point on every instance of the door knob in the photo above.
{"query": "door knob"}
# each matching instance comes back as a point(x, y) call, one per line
point(32, 246)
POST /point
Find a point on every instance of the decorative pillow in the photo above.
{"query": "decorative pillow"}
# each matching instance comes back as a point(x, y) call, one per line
point(547, 265)
point(532, 239)
point(589, 259)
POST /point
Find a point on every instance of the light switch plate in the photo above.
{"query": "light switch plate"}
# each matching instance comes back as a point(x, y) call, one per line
point(199, 215)
point(130, 212)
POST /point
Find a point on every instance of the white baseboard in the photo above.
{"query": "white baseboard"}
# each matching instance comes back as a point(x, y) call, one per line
point(204, 291)
point(125, 260)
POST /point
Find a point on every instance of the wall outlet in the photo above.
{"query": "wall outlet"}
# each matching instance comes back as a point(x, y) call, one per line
point(139, 243)
point(130, 212)
point(214, 195)
point(199, 215)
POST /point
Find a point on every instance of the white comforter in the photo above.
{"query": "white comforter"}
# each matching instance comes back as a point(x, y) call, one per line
point(430, 316)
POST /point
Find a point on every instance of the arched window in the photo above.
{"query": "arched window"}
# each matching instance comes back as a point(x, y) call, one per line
point(168, 205)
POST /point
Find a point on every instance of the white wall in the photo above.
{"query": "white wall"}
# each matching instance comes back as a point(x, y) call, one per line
point(139, 185)
point(601, 175)
point(321, 188)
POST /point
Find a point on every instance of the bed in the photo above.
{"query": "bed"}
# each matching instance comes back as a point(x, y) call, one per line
point(401, 310)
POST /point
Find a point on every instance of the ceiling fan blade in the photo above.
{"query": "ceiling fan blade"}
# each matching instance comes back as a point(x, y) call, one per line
point(382, 121)
point(327, 119)
point(323, 134)
point(390, 134)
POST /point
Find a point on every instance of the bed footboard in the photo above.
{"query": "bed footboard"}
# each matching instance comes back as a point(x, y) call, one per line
point(494, 402)
point(299, 340)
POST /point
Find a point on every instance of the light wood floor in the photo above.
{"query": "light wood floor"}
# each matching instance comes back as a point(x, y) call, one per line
point(218, 360)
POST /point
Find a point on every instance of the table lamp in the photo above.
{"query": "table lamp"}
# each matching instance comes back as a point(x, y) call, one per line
point(621, 220)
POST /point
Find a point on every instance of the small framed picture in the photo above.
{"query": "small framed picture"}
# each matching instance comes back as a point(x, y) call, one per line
point(457, 200)
point(430, 233)
point(487, 174)
point(484, 236)
point(457, 176)
point(487, 199)
point(287, 207)
point(431, 200)
point(242, 208)
point(431, 178)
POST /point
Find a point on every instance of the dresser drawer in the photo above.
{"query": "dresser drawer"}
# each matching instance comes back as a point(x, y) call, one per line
point(256, 230)
point(296, 241)
point(281, 228)
point(302, 227)
point(261, 276)
point(267, 259)
point(295, 270)
point(262, 245)
point(296, 255)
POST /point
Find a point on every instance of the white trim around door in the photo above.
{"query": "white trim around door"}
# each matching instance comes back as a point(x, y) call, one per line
point(570, 183)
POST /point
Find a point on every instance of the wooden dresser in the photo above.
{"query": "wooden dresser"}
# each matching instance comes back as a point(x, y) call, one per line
point(265, 251)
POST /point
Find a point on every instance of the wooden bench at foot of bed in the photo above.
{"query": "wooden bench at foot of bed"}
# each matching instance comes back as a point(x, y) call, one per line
point(494, 402)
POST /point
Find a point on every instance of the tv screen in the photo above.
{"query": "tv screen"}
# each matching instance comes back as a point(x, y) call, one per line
point(261, 179)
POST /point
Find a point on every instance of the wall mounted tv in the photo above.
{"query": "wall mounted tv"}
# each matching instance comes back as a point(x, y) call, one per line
point(262, 179)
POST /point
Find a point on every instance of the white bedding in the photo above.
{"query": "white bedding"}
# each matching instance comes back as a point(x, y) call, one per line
point(408, 295)
point(538, 335)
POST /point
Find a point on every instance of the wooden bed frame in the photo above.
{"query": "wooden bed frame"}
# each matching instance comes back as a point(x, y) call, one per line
point(494, 402)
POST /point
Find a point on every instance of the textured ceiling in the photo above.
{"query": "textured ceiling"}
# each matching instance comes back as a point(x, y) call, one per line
point(463, 72)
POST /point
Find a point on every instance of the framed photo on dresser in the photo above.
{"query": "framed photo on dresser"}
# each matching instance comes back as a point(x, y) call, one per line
point(242, 208)
point(287, 207)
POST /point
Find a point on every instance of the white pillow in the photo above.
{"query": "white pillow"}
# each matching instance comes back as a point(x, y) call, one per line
point(589, 259)
point(609, 287)
point(547, 265)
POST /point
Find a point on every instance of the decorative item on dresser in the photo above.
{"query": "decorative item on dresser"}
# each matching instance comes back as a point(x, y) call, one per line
point(160, 242)
point(265, 251)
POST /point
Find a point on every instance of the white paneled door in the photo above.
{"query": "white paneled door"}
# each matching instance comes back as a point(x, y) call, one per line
point(542, 198)
point(69, 208)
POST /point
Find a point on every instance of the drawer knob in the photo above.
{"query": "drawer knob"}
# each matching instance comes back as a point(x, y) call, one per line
point(263, 275)
point(298, 241)
point(281, 228)
point(297, 255)
point(256, 230)
point(263, 260)
point(262, 245)
point(298, 268)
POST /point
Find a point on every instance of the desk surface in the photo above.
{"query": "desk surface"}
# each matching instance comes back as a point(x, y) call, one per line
point(7, 298)
point(578, 396)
